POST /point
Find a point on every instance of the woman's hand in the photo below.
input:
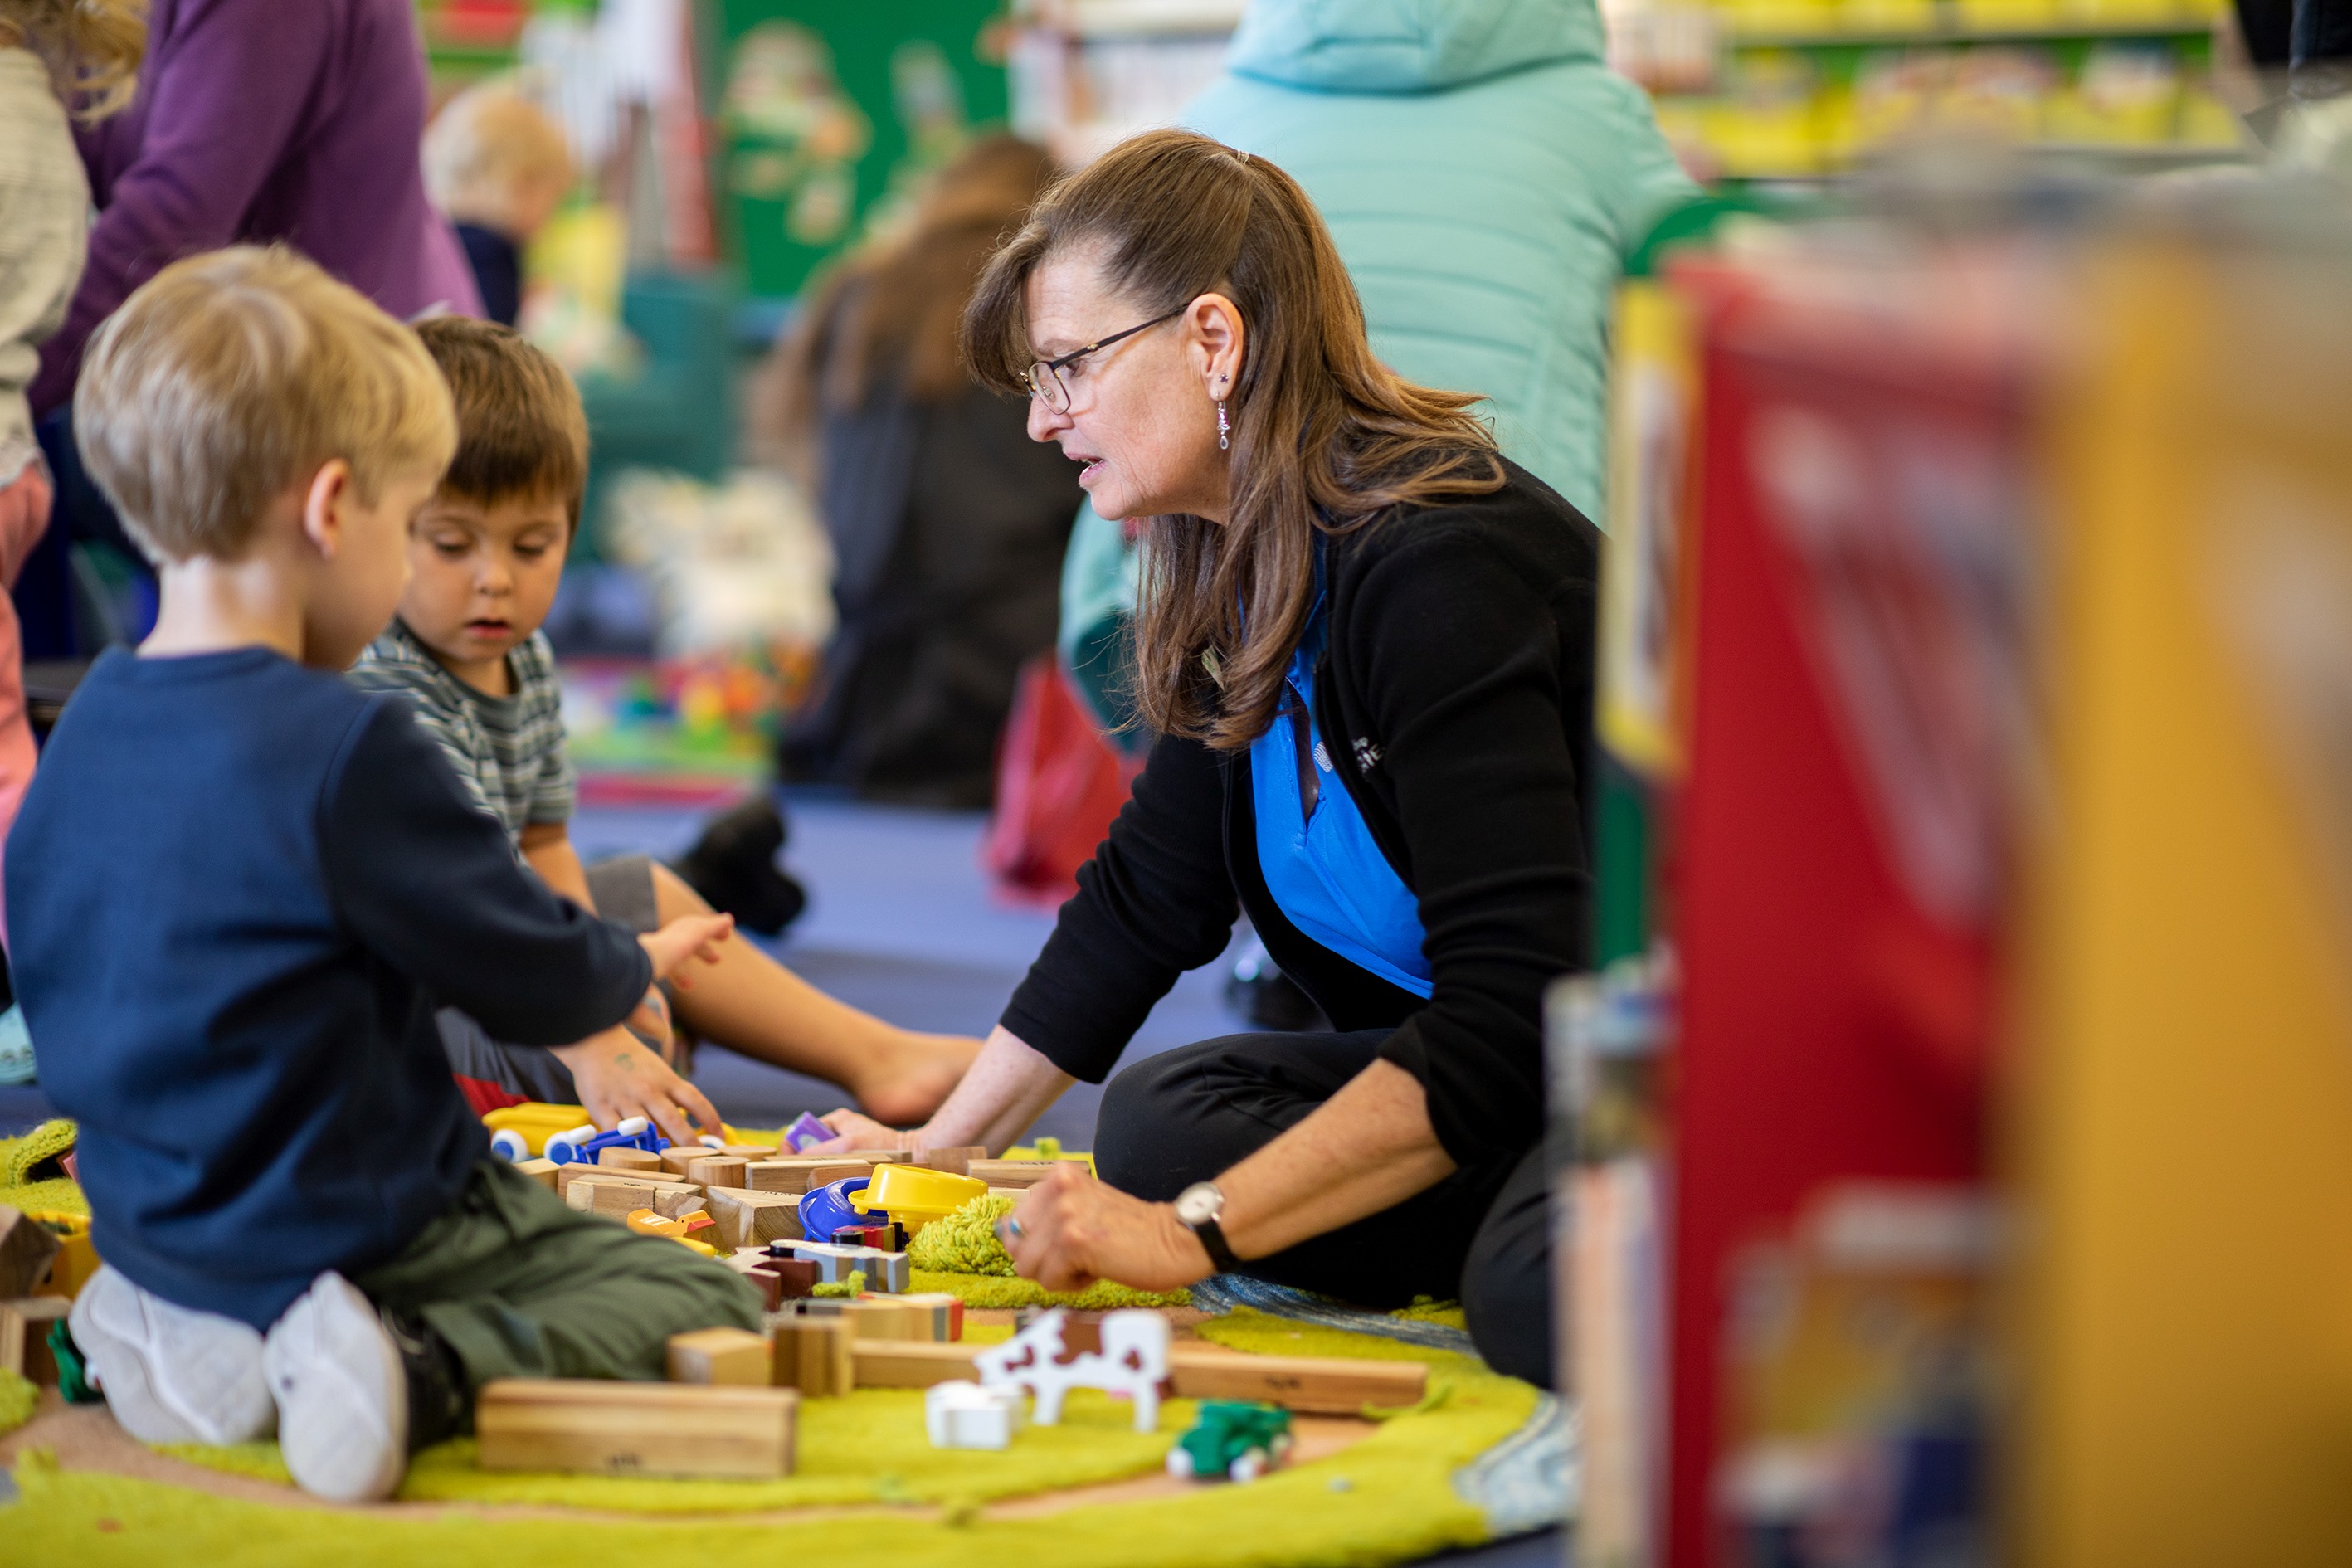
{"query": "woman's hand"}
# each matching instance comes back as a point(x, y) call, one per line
point(1070, 1230)
point(688, 936)
point(852, 1131)
point(619, 1078)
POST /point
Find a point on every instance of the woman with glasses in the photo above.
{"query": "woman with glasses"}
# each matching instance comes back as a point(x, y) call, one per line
point(1364, 640)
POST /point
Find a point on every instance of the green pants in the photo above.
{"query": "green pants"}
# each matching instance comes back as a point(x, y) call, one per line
point(520, 1286)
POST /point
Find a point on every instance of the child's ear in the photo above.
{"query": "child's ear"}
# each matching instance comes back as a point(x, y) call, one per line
point(329, 492)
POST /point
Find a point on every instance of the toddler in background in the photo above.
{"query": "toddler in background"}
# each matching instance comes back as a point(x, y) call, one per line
point(485, 556)
point(50, 50)
point(240, 889)
point(497, 166)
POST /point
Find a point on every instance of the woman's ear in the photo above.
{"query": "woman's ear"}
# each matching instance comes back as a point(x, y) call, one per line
point(324, 499)
point(1219, 342)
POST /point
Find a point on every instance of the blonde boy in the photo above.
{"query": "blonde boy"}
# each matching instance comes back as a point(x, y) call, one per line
point(230, 897)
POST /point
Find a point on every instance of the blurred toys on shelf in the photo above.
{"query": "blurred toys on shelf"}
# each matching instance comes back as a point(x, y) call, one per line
point(1781, 89)
point(697, 730)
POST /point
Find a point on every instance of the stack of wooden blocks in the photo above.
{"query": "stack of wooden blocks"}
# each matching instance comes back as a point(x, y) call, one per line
point(27, 1249)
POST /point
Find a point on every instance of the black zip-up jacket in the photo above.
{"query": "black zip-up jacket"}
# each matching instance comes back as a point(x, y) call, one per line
point(1455, 697)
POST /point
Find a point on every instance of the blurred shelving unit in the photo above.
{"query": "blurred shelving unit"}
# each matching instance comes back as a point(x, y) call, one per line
point(1804, 90)
point(1088, 73)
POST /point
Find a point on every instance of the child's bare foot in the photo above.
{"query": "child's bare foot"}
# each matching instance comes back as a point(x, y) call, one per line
point(911, 1075)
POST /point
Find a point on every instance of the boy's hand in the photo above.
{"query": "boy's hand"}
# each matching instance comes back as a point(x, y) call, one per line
point(688, 936)
point(618, 1078)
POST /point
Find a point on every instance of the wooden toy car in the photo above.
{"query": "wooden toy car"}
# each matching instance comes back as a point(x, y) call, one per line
point(1233, 1438)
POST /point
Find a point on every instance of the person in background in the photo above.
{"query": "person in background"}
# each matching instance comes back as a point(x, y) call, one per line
point(1365, 648)
point(497, 165)
point(1483, 175)
point(948, 525)
point(255, 121)
point(52, 53)
point(467, 653)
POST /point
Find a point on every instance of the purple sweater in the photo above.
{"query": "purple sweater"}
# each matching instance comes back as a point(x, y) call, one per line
point(298, 120)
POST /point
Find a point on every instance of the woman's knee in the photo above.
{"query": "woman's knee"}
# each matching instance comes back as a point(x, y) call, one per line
point(1507, 1283)
point(1138, 1131)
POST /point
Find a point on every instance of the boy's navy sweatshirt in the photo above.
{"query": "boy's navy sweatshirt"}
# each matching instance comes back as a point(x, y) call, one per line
point(236, 892)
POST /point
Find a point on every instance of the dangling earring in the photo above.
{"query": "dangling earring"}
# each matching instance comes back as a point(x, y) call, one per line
point(1224, 431)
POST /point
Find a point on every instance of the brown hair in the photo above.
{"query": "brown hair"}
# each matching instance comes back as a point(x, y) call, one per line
point(522, 433)
point(229, 377)
point(1325, 438)
point(891, 310)
point(92, 48)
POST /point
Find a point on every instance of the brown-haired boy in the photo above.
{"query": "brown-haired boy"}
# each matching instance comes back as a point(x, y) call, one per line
point(485, 556)
point(238, 887)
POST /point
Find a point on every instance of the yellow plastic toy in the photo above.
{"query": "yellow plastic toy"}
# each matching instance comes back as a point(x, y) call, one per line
point(76, 1260)
point(915, 1196)
point(1051, 1148)
point(536, 1120)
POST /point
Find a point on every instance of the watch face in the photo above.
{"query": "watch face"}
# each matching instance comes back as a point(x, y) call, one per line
point(1199, 1202)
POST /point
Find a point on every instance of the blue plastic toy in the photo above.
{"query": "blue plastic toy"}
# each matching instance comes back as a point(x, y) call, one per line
point(582, 1144)
point(826, 1209)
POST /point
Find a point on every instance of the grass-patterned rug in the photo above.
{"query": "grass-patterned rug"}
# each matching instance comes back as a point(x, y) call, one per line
point(872, 1488)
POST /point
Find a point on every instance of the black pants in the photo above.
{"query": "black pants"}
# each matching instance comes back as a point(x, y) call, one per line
point(1482, 1235)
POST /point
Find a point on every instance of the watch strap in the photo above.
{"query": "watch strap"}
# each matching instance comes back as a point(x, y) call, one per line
point(1212, 1241)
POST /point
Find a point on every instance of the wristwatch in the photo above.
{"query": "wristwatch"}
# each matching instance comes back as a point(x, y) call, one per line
point(1197, 1208)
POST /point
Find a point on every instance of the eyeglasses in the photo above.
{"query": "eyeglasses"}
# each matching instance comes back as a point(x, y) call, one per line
point(1043, 378)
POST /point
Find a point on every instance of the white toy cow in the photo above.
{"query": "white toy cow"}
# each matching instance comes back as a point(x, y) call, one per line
point(1131, 1363)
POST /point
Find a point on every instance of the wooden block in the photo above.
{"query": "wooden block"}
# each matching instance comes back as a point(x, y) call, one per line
point(747, 1218)
point(731, 1356)
point(25, 1336)
point(885, 1318)
point(884, 1271)
point(1202, 1371)
point(1020, 1174)
point(909, 1363)
point(943, 1314)
point(955, 1161)
point(673, 1203)
point(814, 1356)
point(678, 1156)
point(884, 1156)
point(613, 1196)
point(578, 1172)
point(636, 1428)
point(798, 1274)
point(717, 1170)
point(540, 1171)
point(27, 1248)
point(748, 1151)
point(629, 1160)
point(765, 1280)
point(799, 1173)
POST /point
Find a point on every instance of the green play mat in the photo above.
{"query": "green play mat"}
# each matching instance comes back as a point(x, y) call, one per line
point(1401, 1492)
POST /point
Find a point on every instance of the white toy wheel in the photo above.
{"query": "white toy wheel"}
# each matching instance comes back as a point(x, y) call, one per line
point(1249, 1466)
point(1180, 1463)
point(632, 1126)
point(508, 1145)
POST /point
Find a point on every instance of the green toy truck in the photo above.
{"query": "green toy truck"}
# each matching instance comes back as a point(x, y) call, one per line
point(1233, 1438)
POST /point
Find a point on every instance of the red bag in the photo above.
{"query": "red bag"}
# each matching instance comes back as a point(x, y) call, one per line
point(1059, 785)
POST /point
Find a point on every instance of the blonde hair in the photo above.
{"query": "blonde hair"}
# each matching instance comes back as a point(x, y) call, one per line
point(92, 48)
point(485, 143)
point(230, 376)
